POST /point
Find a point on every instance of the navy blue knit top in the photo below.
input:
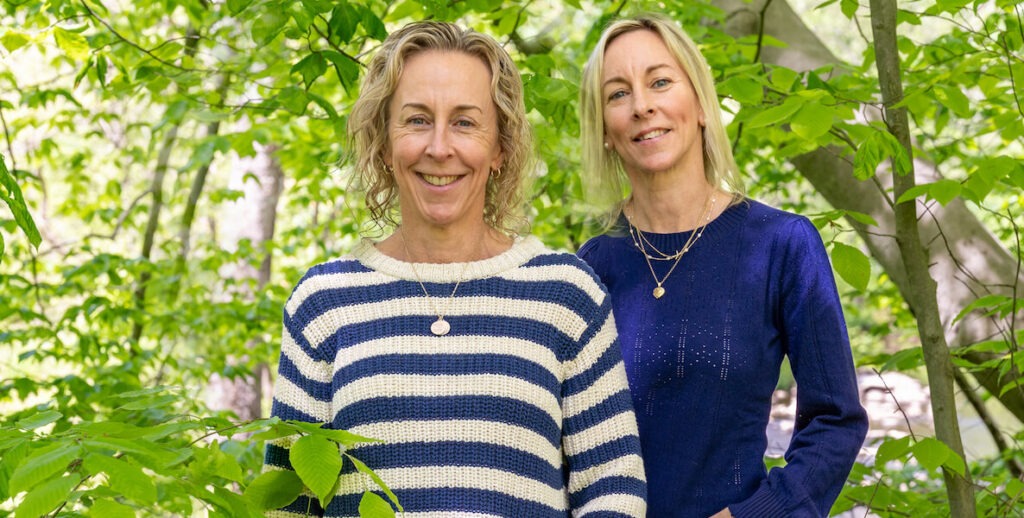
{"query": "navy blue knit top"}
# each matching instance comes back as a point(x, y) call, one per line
point(703, 362)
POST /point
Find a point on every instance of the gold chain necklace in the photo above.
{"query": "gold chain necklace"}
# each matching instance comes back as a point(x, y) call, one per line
point(440, 327)
point(659, 290)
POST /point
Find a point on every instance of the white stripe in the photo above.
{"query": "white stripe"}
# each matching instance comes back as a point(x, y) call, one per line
point(324, 325)
point(627, 466)
point(312, 285)
point(630, 505)
point(316, 370)
point(559, 273)
point(290, 394)
point(524, 349)
point(412, 385)
point(612, 428)
point(594, 349)
point(610, 383)
point(471, 477)
point(490, 432)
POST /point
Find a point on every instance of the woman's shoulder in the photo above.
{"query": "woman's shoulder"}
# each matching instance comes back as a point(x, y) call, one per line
point(766, 218)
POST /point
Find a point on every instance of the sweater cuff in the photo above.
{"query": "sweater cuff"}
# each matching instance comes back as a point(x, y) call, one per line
point(777, 496)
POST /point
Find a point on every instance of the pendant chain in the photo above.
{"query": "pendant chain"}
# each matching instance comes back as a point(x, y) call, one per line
point(440, 326)
point(641, 242)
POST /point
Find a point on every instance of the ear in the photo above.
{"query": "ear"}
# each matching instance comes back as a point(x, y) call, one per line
point(499, 159)
point(700, 119)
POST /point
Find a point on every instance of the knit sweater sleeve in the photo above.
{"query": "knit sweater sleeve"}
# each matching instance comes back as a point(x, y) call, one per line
point(830, 422)
point(600, 440)
point(302, 391)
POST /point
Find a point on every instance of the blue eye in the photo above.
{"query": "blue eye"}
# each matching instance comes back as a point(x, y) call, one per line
point(660, 83)
point(416, 121)
point(464, 123)
point(618, 94)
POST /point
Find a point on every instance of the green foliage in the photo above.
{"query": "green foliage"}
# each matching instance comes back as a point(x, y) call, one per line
point(97, 98)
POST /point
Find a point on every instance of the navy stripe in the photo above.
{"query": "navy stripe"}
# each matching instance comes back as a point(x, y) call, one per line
point(286, 412)
point(613, 405)
point(337, 266)
point(530, 330)
point(582, 381)
point(278, 456)
point(456, 453)
point(440, 364)
point(604, 452)
point(295, 329)
point(318, 390)
point(470, 408)
point(306, 506)
point(449, 499)
point(606, 486)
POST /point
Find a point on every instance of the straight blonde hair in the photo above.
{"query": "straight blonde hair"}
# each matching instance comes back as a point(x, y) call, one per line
point(603, 174)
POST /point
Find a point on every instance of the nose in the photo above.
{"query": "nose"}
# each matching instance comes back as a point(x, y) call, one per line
point(642, 106)
point(439, 147)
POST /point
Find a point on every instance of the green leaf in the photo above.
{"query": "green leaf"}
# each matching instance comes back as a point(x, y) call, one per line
point(47, 497)
point(852, 265)
point(311, 67)
point(860, 217)
point(744, 89)
point(944, 191)
point(776, 114)
point(73, 44)
point(891, 449)
point(374, 27)
point(372, 505)
point(39, 420)
point(904, 359)
point(268, 25)
point(274, 489)
point(293, 99)
point(348, 70)
point(237, 6)
point(104, 508)
point(343, 22)
point(41, 465)
point(931, 453)
point(317, 461)
point(812, 121)
point(376, 480)
point(14, 40)
point(16, 203)
point(983, 302)
point(849, 8)
point(954, 98)
point(125, 478)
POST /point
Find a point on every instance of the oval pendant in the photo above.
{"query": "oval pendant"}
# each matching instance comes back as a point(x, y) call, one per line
point(440, 327)
point(658, 292)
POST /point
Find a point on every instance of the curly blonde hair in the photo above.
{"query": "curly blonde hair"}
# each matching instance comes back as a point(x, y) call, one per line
point(368, 121)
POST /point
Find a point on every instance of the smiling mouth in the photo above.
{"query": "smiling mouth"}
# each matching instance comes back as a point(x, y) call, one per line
point(439, 181)
point(650, 135)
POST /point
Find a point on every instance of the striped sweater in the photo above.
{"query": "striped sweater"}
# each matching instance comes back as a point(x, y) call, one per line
point(522, 410)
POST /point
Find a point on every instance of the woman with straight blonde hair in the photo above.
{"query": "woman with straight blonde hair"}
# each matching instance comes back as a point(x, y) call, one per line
point(710, 291)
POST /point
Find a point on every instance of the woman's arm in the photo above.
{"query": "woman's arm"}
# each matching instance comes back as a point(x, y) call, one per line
point(599, 433)
point(830, 422)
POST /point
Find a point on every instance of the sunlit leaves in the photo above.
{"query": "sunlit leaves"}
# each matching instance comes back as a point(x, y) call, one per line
point(73, 44)
point(852, 265)
point(318, 462)
point(46, 497)
point(274, 489)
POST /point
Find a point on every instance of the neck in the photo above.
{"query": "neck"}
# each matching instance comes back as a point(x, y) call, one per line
point(413, 244)
point(671, 206)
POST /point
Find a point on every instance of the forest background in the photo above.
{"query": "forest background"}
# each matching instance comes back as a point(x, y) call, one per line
point(168, 169)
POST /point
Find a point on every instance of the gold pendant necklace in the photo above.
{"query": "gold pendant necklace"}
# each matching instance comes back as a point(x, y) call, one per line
point(659, 290)
point(439, 327)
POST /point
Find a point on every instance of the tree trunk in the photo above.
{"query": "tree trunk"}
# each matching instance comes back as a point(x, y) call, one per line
point(922, 293)
point(967, 261)
point(251, 217)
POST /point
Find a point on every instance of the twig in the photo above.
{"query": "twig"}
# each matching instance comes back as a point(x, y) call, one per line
point(898, 406)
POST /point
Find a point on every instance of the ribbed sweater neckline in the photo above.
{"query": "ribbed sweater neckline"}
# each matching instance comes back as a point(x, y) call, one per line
point(522, 250)
point(726, 223)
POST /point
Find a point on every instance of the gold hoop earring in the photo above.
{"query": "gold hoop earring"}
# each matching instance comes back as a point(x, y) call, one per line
point(388, 169)
point(496, 173)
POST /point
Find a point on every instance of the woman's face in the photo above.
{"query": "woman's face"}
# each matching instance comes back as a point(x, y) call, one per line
point(443, 139)
point(652, 117)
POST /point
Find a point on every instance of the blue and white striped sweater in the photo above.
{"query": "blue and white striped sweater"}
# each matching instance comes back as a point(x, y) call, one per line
point(522, 410)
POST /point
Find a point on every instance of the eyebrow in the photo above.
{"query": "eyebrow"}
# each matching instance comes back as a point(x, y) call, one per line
point(458, 108)
point(619, 79)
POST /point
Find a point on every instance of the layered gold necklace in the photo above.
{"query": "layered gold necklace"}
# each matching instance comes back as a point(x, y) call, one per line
point(641, 242)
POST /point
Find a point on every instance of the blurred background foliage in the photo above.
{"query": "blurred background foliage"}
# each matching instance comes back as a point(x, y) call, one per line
point(170, 168)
